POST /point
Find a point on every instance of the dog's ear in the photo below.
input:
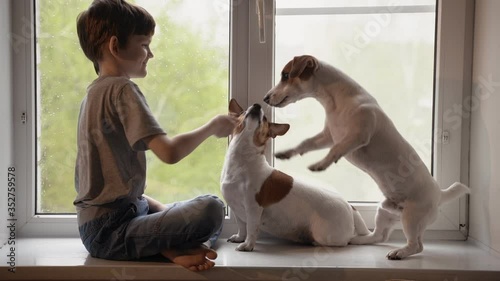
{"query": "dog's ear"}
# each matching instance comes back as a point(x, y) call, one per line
point(277, 129)
point(235, 108)
point(304, 67)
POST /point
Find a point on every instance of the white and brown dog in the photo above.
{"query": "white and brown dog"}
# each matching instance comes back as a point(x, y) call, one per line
point(356, 128)
point(262, 197)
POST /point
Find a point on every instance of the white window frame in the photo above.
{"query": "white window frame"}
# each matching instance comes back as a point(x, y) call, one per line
point(251, 76)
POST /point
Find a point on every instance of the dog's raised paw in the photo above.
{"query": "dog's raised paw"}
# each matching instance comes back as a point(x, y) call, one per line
point(284, 154)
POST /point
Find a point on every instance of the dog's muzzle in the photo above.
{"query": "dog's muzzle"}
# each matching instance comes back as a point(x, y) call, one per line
point(267, 98)
point(254, 111)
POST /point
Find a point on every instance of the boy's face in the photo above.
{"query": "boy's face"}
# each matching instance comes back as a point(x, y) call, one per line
point(134, 57)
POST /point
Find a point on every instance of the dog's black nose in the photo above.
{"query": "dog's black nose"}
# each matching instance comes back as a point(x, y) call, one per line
point(266, 99)
point(254, 110)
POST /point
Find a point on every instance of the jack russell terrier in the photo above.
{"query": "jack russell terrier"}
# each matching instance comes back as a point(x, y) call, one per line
point(262, 197)
point(356, 128)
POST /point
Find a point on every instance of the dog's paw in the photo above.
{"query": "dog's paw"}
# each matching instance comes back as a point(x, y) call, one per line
point(397, 254)
point(318, 167)
point(235, 238)
point(245, 247)
point(406, 251)
point(285, 154)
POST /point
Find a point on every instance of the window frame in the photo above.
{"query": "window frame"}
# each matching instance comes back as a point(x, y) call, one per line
point(251, 75)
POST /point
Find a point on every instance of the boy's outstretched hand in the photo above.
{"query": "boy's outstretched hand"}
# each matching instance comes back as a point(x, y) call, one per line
point(223, 125)
point(172, 150)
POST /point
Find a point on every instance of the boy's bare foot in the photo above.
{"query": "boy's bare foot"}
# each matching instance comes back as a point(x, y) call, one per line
point(196, 259)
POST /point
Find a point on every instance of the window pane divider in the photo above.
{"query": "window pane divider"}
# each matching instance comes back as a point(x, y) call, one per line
point(355, 10)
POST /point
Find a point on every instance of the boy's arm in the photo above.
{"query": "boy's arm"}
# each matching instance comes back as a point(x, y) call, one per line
point(172, 150)
point(154, 205)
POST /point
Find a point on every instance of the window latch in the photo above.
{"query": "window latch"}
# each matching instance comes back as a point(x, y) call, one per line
point(23, 117)
point(445, 138)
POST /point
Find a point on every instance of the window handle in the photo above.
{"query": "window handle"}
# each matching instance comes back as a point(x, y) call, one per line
point(260, 19)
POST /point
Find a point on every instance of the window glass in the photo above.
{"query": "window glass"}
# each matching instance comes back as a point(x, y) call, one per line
point(390, 54)
point(187, 84)
point(349, 3)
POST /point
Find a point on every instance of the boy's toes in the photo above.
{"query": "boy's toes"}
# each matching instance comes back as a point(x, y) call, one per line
point(208, 265)
point(211, 254)
point(203, 266)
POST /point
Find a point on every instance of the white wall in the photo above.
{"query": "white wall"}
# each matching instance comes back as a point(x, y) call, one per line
point(5, 113)
point(485, 126)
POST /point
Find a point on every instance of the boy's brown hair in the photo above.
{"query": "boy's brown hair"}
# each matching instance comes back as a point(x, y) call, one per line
point(106, 18)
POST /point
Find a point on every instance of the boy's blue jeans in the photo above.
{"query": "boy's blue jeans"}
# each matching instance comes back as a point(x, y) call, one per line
point(132, 233)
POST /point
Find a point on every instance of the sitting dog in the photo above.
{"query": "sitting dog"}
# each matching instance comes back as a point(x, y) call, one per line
point(356, 128)
point(262, 197)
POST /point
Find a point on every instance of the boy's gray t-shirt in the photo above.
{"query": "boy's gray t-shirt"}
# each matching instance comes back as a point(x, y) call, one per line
point(111, 164)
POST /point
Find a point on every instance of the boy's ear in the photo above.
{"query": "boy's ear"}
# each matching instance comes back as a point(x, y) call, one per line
point(278, 129)
point(113, 46)
point(234, 107)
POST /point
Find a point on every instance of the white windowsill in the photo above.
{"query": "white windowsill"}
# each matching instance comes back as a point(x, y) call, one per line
point(66, 258)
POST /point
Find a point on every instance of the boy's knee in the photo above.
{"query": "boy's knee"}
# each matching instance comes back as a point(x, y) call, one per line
point(213, 210)
point(214, 203)
point(205, 210)
point(207, 216)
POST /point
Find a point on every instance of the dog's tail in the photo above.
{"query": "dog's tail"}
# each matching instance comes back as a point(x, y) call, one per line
point(359, 223)
point(453, 192)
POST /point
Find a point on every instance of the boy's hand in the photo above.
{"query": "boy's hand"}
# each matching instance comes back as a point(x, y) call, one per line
point(223, 125)
point(154, 205)
point(172, 150)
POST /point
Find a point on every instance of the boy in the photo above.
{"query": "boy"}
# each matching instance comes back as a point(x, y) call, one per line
point(115, 126)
